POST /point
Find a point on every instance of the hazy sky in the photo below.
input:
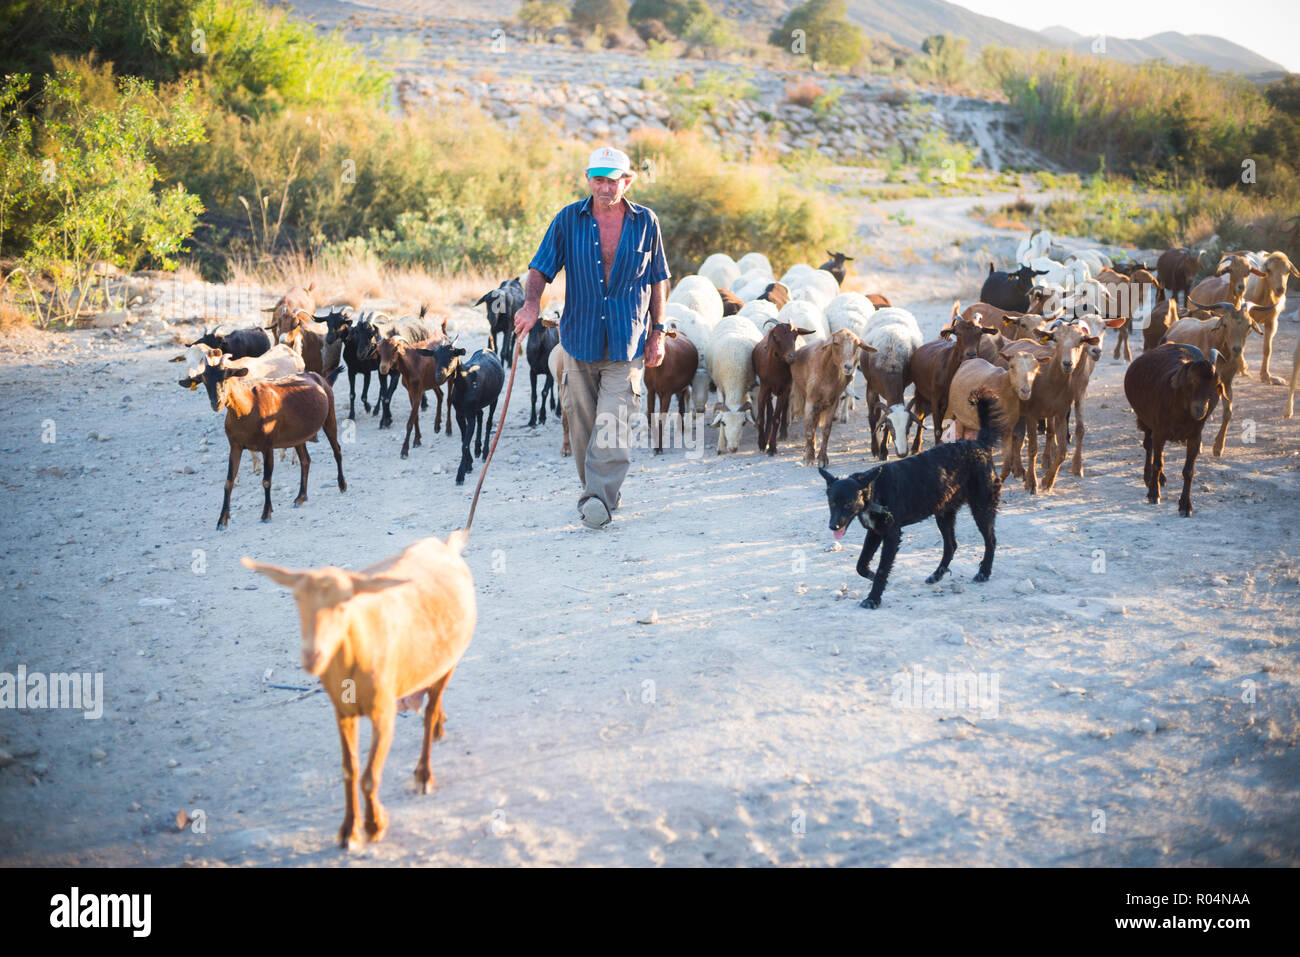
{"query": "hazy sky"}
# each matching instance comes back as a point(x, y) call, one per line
point(1280, 41)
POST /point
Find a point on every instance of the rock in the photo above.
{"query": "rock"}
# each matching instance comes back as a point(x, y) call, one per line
point(649, 619)
point(109, 320)
point(956, 638)
point(6, 758)
point(98, 754)
point(1146, 726)
point(1023, 587)
point(1205, 662)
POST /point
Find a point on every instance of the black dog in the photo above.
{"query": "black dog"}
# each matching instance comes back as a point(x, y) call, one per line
point(937, 482)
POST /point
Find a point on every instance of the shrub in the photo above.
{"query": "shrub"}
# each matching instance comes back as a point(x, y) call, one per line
point(539, 16)
point(820, 29)
point(673, 14)
point(599, 14)
point(803, 91)
point(706, 206)
point(93, 198)
point(943, 60)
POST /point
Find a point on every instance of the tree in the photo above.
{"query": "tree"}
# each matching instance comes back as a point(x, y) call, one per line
point(540, 15)
point(945, 59)
point(602, 14)
point(820, 29)
point(708, 33)
point(676, 15)
point(95, 191)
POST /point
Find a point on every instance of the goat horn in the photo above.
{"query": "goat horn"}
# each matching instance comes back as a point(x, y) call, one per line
point(1194, 353)
point(1214, 356)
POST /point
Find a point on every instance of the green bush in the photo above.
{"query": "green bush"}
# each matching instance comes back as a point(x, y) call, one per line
point(943, 61)
point(541, 15)
point(820, 29)
point(599, 14)
point(706, 206)
point(88, 194)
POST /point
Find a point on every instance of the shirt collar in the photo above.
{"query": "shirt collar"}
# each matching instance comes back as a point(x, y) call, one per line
point(632, 208)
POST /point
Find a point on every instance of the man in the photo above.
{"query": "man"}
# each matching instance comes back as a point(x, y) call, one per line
point(616, 275)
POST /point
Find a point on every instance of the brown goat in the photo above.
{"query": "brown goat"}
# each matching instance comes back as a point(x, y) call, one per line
point(1176, 270)
point(1228, 284)
point(778, 294)
point(307, 338)
point(1010, 386)
point(879, 301)
point(1173, 390)
point(416, 364)
point(380, 640)
point(1267, 290)
point(933, 366)
point(731, 303)
point(1225, 334)
point(672, 377)
point(821, 372)
point(1162, 318)
point(1128, 295)
point(773, 356)
point(1052, 399)
point(279, 414)
point(297, 302)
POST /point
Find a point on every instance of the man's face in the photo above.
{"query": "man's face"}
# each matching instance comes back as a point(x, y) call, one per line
point(606, 191)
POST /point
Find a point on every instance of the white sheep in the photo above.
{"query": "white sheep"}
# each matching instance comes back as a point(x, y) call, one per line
point(731, 367)
point(721, 270)
point(1035, 245)
point(805, 315)
point(849, 310)
point(752, 261)
point(752, 284)
point(895, 335)
point(699, 294)
point(759, 312)
point(796, 271)
point(818, 286)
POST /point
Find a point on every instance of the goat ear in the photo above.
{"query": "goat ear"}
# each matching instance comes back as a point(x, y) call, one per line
point(1256, 327)
point(242, 371)
point(281, 576)
point(1092, 340)
point(989, 332)
point(1178, 376)
point(866, 348)
point(804, 332)
point(367, 583)
point(1255, 272)
point(458, 352)
point(830, 479)
point(945, 332)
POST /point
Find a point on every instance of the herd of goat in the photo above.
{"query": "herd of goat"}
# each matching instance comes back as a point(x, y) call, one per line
point(768, 350)
point(1001, 370)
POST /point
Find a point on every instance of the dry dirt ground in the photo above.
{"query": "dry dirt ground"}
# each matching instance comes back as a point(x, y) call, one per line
point(1139, 669)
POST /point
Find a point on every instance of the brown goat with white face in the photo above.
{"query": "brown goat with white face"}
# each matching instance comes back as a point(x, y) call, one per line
point(380, 640)
point(935, 363)
point(1266, 288)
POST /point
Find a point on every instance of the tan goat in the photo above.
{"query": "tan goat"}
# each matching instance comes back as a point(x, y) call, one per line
point(821, 372)
point(1227, 333)
point(379, 640)
point(1012, 386)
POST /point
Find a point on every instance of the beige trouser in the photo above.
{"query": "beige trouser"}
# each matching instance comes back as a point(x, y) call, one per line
point(600, 399)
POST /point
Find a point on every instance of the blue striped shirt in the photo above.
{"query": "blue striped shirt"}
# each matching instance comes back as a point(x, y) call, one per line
point(596, 317)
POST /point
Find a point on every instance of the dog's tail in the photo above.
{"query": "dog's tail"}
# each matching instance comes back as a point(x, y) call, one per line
point(992, 421)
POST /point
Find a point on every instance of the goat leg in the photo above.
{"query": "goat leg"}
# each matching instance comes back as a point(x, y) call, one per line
point(232, 472)
point(350, 832)
point(532, 418)
point(352, 393)
point(1189, 468)
point(331, 428)
point(1222, 437)
point(433, 722)
point(487, 438)
point(381, 724)
point(304, 461)
point(268, 460)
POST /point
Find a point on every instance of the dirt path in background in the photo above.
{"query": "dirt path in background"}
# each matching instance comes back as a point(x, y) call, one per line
point(1145, 665)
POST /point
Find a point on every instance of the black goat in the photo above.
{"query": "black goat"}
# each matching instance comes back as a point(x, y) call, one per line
point(368, 331)
point(502, 304)
point(475, 385)
point(240, 344)
point(835, 265)
point(342, 326)
point(542, 338)
point(1009, 290)
point(935, 483)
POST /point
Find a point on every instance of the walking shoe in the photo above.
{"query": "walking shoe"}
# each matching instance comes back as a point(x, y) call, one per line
point(594, 513)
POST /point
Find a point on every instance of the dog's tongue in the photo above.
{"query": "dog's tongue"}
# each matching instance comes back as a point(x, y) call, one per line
point(838, 533)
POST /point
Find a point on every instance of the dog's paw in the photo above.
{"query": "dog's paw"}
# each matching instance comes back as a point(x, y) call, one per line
point(869, 602)
point(980, 577)
point(936, 577)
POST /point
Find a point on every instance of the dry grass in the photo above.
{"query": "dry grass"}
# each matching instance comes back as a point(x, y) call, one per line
point(355, 279)
point(803, 91)
point(11, 317)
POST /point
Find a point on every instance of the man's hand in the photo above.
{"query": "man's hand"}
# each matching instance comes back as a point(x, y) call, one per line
point(654, 349)
point(526, 318)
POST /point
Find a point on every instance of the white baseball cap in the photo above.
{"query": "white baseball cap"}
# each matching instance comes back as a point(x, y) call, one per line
point(610, 163)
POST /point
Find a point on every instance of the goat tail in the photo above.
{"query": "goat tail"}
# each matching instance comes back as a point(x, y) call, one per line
point(992, 421)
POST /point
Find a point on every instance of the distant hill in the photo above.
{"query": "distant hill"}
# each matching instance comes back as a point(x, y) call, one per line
point(1177, 48)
